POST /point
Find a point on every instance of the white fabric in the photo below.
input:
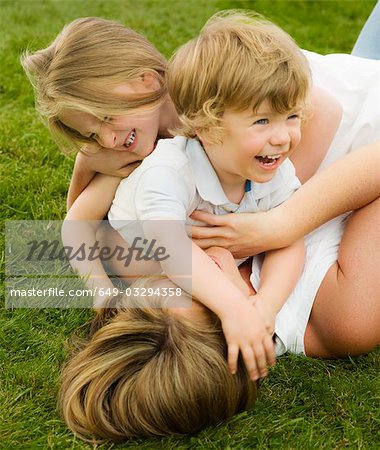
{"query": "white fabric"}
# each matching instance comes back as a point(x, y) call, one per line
point(355, 82)
point(178, 178)
point(321, 252)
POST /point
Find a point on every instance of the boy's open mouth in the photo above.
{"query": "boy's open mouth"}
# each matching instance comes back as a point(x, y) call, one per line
point(269, 160)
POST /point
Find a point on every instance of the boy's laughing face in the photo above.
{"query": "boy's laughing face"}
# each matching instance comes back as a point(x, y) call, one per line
point(254, 145)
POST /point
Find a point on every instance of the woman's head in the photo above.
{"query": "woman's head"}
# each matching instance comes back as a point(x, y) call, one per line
point(237, 62)
point(148, 372)
point(99, 68)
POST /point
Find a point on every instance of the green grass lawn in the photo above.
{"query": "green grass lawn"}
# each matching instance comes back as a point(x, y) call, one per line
point(304, 403)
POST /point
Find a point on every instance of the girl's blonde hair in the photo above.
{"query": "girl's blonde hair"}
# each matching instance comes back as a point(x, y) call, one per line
point(86, 60)
point(238, 61)
point(146, 372)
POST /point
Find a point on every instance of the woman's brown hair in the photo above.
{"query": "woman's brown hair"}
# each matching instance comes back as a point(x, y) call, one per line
point(146, 372)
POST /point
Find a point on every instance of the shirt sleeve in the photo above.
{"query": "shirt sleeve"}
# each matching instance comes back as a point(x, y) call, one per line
point(162, 193)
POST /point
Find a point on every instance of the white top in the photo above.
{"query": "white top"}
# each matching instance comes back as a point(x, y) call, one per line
point(178, 178)
point(355, 83)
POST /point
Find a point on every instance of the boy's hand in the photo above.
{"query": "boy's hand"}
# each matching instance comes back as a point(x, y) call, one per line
point(266, 311)
point(245, 332)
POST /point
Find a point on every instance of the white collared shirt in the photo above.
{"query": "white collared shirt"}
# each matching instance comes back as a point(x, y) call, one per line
point(178, 178)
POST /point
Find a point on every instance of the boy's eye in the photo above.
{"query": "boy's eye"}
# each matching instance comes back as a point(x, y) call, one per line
point(294, 116)
point(92, 136)
point(107, 119)
point(261, 122)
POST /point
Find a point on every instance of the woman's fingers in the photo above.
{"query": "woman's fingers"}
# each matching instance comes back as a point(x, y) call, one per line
point(209, 219)
point(212, 242)
point(197, 232)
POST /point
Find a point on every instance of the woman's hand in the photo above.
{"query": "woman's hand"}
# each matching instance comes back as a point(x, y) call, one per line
point(244, 234)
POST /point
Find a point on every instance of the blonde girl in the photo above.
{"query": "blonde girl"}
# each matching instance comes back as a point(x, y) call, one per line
point(100, 82)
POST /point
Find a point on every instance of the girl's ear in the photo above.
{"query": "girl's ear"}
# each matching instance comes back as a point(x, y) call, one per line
point(150, 81)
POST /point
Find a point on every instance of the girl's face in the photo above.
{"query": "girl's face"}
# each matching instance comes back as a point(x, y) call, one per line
point(135, 133)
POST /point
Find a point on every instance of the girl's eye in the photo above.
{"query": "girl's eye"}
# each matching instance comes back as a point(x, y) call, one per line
point(294, 116)
point(261, 122)
point(92, 136)
point(107, 119)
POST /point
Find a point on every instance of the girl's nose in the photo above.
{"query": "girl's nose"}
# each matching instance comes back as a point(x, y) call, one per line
point(107, 138)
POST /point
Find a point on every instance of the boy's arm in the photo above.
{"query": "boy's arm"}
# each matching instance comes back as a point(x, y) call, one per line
point(79, 229)
point(279, 274)
point(243, 326)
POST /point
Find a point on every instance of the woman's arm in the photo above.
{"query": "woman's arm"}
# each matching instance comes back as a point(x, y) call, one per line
point(350, 183)
point(81, 177)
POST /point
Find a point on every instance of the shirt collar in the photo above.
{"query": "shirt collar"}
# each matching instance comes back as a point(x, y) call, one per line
point(208, 184)
point(206, 179)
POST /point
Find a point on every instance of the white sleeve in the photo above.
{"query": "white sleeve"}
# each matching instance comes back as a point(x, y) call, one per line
point(162, 192)
point(288, 184)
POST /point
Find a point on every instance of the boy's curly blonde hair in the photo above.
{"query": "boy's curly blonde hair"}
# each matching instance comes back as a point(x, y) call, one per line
point(238, 61)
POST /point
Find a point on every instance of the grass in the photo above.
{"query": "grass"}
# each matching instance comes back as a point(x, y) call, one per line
point(304, 403)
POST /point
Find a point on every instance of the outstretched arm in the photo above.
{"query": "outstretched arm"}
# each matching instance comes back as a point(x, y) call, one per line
point(243, 326)
point(350, 183)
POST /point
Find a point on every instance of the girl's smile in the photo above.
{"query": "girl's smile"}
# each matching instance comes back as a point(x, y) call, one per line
point(133, 133)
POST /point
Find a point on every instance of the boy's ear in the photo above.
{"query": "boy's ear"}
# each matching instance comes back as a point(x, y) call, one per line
point(205, 137)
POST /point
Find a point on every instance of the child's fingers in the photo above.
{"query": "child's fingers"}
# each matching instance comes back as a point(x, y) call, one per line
point(261, 360)
point(270, 350)
point(232, 357)
point(250, 361)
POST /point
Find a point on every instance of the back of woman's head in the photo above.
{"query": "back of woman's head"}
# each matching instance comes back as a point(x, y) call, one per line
point(86, 60)
point(147, 373)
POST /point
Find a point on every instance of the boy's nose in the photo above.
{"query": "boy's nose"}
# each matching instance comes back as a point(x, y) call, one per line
point(280, 136)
